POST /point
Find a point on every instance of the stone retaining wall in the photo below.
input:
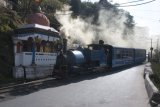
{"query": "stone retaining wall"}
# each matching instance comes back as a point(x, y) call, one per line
point(152, 90)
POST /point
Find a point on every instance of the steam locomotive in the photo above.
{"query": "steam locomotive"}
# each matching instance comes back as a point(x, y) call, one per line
point(96, 56)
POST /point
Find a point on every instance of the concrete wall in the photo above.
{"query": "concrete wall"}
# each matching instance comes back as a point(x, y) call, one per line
point(41, 58)
point(152, 90)
point(32, 72)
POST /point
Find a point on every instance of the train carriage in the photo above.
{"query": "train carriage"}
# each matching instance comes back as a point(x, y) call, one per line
point(140, 55)
point(122, 56)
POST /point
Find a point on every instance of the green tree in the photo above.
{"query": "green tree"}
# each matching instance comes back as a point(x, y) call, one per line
point(75, 7)
point(88, 9)
point(9, 20)
point(129, 25)
point(50, 6)
point(23, 7)
point(64, 1)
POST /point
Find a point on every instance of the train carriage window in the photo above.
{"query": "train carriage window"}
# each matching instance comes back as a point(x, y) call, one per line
point(140, 53)
point(90, 48)
point(125, 53)
point(131, 54)
point(118, 54)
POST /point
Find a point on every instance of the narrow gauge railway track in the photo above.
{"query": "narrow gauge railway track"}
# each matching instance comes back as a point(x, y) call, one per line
point(24, 87)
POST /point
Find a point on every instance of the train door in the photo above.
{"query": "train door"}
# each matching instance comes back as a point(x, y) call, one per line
point(108, 51)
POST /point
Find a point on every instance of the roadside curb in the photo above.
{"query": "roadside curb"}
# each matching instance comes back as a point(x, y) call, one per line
point(152, 90)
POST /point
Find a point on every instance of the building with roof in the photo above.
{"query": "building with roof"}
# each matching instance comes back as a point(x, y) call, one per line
point(36, 46)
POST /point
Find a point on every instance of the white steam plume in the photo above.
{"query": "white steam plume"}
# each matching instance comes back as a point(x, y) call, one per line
point(110, 29)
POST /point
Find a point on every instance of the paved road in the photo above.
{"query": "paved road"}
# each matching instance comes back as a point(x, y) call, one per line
point(121, 89)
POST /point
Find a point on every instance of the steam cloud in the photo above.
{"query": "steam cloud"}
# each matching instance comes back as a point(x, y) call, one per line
point(110, 29)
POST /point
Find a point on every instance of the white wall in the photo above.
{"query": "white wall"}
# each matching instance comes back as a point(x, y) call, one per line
point(25, 58)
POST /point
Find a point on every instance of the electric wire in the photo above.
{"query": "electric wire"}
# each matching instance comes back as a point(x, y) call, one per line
point(138, 4)
point(132, 2)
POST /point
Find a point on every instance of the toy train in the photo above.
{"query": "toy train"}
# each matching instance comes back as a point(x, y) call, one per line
point(95, 56)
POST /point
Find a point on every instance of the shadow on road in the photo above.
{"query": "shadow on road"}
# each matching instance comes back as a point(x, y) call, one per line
point(30, 88)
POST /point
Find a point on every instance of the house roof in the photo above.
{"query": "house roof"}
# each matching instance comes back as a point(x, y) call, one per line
point(36, 28)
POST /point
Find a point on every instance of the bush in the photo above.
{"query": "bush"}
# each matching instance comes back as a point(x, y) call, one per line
point(156, 76)
point(9, 20)
point(6, 57)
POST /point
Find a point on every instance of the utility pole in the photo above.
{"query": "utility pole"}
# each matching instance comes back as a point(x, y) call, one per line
point(151, 49)
point(158, 49)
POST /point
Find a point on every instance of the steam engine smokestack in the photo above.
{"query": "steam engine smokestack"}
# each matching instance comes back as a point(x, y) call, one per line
point(64, 45)
point(101, 42)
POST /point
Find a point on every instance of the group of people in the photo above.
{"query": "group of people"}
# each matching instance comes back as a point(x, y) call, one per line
point(38, 45)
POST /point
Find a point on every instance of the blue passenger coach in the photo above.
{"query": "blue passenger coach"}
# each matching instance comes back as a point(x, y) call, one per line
point(139, 55)
point(122, 56)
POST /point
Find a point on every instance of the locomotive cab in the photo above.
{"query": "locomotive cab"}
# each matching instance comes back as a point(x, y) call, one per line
point(95, 56)
point(98, 55)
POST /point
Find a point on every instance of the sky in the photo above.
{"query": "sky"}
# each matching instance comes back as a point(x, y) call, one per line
point(147, 15)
